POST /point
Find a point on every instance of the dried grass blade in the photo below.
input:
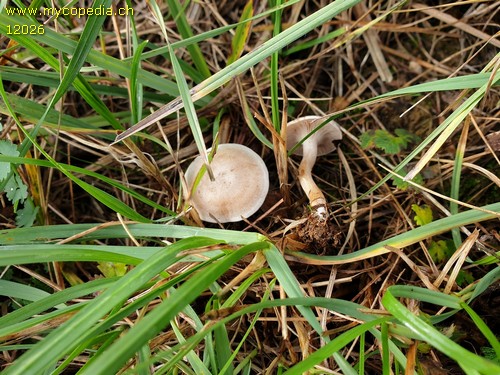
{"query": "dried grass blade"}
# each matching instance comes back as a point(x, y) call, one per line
point(373, 43)
point(186, 101)
point(449, 126)
point(455, 179)
point(265, 50)
point(459, 257)
point(455, 22)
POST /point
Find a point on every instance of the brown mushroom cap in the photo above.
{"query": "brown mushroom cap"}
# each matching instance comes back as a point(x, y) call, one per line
point(324, 137)
point(239, 189)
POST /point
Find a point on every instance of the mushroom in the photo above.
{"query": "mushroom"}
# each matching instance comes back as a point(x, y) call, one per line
point(240, 185)
point(319, 143)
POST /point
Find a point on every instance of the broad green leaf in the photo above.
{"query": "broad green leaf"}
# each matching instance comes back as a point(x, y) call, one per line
point(401, 184)
point(112, 269)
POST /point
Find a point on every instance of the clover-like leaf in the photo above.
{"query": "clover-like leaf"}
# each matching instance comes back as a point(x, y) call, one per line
point(423, 214)
point(388, 142)
point(7, 149)
point(441, 250)
point(26, 216)
point(16, 190)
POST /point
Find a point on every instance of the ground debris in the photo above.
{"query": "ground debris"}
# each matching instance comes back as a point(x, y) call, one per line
point(321, 236)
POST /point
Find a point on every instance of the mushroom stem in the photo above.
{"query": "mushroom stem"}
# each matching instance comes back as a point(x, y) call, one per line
point(316, 198)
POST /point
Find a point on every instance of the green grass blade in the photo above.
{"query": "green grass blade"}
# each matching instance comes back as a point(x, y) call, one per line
point(83, 88)
point(399, 356)
point(254, 128)
point(455, 181)
point(190, 111)
point(343, 307)
point(136, 94)
point(86, 172)
point(38, 321)
point(194, 50)
point(432, 336)
point(91, 30)
point(215, 32)
point(333, 346)
point(489, 279)
point(53, 300)
point(44, 234)
point(89, 34)
point(184, 92)
point(241, 33)
point(290, 284)
point(105, 198)
point(62, 340)
point(386, 355)
point(223, 353)
point(29, 110)
point(441, 134)
point(485, 330)
point(361, 361)
point(275, 107)
point(195, 361)
point(17, 290)
point(147, 327)
point(426, 295)
point(405, 239)
point(27, 254)
point(104, 340)
point(66, 45)
point(51, 80)
point(250, 328)
point(275, 44)
point(314, 42)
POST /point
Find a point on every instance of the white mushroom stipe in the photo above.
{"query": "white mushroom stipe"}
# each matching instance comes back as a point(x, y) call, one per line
point(319, 143)
point(239, 189)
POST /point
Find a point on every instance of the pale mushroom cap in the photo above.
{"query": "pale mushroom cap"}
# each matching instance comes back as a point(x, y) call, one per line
point(324, 137)
point(239, 189)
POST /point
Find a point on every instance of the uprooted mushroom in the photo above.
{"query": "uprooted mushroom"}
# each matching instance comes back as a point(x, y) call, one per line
point(319, 143)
